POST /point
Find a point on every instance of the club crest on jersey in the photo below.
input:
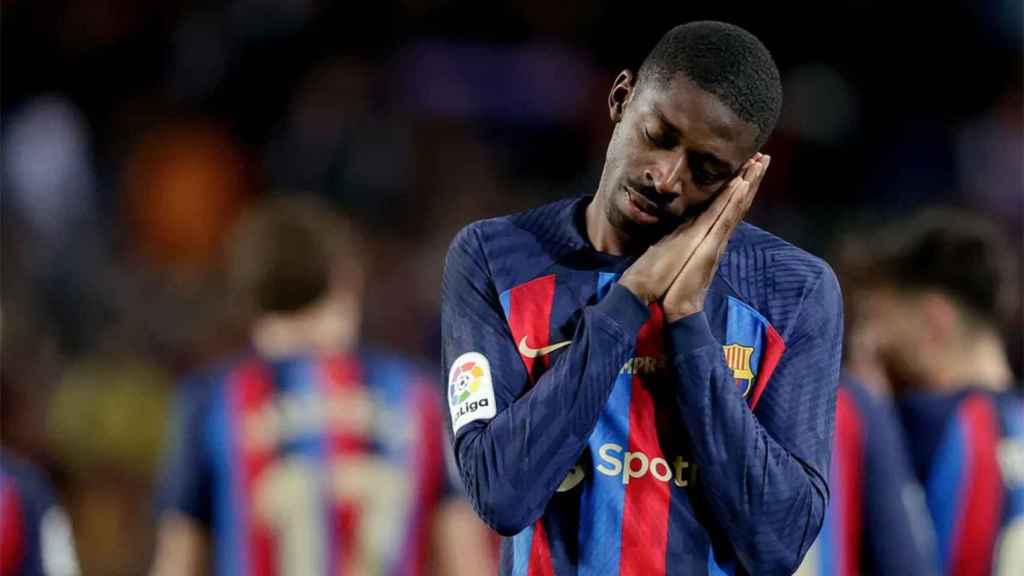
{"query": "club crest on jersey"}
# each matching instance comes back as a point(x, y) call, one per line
point(470, 390)
point(737, 357)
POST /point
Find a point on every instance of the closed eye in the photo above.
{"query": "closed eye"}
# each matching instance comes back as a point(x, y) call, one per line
point(660, 140)
point(704, 177)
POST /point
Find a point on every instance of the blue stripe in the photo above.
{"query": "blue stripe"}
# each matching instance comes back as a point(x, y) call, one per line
point(602, 500)
point(505, 302)
point(604, 283)
point(945, 488)
point(228, 494)
point(746, 327)
point(521, 544)
point(714, 569)
point(1013, 421)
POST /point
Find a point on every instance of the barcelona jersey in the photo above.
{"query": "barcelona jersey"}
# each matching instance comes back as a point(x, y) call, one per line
point(600, 439)
point(35, 535)
point(968, 451)
point(311, 465)
point(876, 522)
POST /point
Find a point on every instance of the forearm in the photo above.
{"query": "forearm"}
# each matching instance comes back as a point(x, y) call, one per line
point(511, 465)
point(770, 503)
point(181, 548)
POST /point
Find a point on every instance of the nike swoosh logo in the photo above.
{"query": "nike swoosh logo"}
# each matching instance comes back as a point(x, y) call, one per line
point(538, 352)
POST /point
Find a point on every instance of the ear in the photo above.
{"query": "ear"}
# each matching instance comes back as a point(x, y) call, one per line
point(621, 94)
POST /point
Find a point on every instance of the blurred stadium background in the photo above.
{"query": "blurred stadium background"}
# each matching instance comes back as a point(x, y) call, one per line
point(133, 134)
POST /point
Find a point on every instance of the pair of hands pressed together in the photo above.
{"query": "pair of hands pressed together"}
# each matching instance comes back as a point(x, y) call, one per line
point(678, 269)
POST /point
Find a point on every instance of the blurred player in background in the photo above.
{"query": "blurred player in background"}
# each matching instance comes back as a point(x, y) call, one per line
point(876, 522)
point(639, 383)
point(939, 287)
point(305, 456)
point(35, 535)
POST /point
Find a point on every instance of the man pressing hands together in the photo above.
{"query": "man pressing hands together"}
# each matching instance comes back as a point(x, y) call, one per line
point(638, 382)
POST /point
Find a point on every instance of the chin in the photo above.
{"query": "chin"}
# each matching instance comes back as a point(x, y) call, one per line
point(642, 233)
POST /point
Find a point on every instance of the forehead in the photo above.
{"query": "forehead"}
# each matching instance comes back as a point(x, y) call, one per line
point(701, 116)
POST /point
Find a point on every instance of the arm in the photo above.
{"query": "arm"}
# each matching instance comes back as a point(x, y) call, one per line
point(512, 463)
point(182, 546)
point(764, 474)
point(462, 543)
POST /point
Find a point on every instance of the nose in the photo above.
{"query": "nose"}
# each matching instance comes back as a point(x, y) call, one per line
point(668, 174)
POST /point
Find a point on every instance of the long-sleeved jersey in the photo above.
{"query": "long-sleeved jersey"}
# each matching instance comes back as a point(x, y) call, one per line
point(35, 534)
point(601, 440)
point(876, 522)
point(968, 452)
point(310, 464)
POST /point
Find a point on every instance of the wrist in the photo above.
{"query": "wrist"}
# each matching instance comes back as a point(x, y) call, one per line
point(690, 333)
point(635, 290)
point(682, 312)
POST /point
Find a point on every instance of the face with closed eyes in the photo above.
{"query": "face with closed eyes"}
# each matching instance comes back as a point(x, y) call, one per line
point(673, 149)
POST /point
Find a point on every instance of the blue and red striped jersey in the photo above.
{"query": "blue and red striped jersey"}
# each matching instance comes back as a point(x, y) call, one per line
point(968, 451)
point(35, 535)
point(876, 522)
point(600, 440)
point(311, 465)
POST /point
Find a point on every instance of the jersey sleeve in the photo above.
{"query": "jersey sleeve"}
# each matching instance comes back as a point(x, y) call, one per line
point(898, 537)
point(765, 471)
point(515, 442)
point(186, 484)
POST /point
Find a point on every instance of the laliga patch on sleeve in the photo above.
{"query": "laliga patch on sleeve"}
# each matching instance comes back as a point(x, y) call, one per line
point(470, 390)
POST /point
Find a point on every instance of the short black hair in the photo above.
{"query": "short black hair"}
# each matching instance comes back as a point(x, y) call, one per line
point(286, 252)
point(954, 252)
point(724, 60)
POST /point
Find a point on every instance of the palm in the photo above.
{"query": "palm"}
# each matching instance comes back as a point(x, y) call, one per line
point(685, 296)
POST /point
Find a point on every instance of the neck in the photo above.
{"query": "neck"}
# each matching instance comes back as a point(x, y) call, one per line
point(322, 329)
point(602, 235)
point(980, 362)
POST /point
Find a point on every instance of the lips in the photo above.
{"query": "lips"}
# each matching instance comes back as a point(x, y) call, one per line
point(642, 203)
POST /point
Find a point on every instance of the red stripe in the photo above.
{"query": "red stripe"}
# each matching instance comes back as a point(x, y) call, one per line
point(540, 552)
point(529, 317)
point(252, 391)
point(645, 510)
point(974, 543)
point(341, 385)
point(849, 451)
point(774, 346)
point(12, 529)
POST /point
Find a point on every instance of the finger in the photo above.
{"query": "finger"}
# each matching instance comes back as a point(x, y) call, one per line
point(710, 246)
point(686, 239)
point(707, 219)
point(755, 183)
point(693, 232)
point(731, 215)
point(737, 199)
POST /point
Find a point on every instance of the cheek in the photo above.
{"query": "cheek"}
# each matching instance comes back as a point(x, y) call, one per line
point(625, 152)
point(616, 156)
point(884, 322)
